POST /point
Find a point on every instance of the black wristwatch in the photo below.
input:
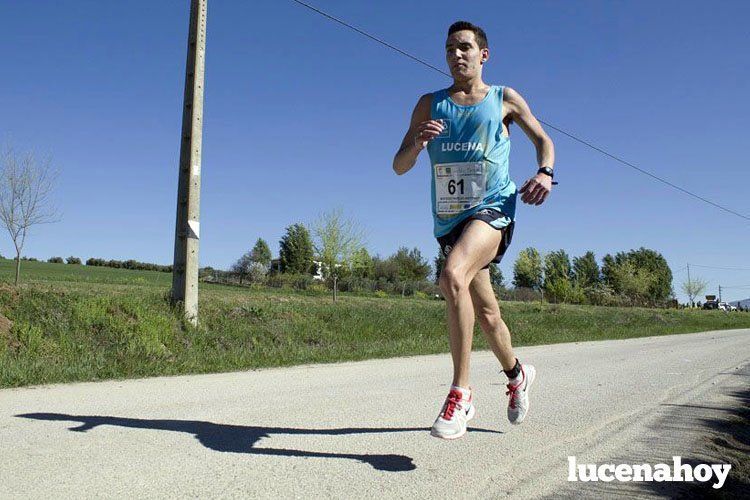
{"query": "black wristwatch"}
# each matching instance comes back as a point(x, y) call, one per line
point(546, 171)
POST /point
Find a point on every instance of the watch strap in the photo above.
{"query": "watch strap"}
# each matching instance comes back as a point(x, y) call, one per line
point(546, 171)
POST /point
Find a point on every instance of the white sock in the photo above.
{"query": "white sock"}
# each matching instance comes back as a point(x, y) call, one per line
point(465, 393)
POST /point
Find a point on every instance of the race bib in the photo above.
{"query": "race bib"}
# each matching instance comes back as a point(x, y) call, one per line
point(459, 186)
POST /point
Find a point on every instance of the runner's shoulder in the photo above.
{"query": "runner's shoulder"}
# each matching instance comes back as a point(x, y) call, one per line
point(422, 109)
point(513, 101)
point(425, 101)
point(511, 95)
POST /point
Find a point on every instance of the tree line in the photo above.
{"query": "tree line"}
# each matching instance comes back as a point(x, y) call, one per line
point(639, 277)
point(333, 250)
point(127, 264)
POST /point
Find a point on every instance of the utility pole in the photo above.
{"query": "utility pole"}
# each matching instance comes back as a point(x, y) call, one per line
point(719, 293)
point(690, 287)
point(187, 226)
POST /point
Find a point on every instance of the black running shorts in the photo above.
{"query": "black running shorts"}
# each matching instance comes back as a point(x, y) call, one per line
point(495, 218)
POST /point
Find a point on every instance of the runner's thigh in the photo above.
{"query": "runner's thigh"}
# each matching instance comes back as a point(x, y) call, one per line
point(475, 248)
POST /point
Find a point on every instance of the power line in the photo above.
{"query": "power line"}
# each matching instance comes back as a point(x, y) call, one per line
point(723, 268)
point(336, 19)
point(575, 138)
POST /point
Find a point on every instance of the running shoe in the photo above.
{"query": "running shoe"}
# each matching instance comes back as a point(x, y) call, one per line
point(453, 417)
point(518, 403)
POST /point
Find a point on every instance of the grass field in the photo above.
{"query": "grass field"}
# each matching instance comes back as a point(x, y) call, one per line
point(74, 323)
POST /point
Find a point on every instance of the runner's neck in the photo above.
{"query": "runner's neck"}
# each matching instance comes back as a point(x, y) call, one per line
point(469, 92)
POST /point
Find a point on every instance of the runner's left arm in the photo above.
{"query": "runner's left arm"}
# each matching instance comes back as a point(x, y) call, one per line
point(536, 189)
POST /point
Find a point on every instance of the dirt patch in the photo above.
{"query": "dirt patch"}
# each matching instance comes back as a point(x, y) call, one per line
point(5, 327)
point(10, 290)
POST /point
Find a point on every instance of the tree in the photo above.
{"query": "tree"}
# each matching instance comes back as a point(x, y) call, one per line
point(73, 260)
point(26, 185)
point(634, 282)
point(557, 276)
point(242, 267)
point(586, 272)
point(385, 269)
point(557, 266)
point(337, 238)
point(55, 260)
point(651, 264)
point(363, 266)
point(296, 250)
point(527, 270)
point(654, 263)
point(608, 264)
point(496, 276)
point(693, 288)
point(439, 263)
point(261, 253)
point(410, 265)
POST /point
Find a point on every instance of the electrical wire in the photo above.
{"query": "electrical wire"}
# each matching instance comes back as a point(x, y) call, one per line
point(558, 129)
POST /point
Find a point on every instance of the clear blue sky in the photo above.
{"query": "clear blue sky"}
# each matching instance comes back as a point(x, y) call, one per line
point(302, 116)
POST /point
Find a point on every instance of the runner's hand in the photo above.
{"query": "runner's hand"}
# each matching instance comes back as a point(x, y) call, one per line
point(426, 131)
point(536, 189)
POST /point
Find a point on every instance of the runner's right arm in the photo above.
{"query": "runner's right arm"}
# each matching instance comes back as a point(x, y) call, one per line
point(421, 131)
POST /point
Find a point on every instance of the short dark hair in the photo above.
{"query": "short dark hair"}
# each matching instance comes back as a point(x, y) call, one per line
point(479, 33)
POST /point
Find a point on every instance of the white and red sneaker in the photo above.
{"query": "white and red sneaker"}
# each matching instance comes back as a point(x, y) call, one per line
point(518, 403)
point(453, 417)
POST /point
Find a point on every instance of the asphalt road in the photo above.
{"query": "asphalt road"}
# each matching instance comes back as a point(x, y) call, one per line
point(361, 429)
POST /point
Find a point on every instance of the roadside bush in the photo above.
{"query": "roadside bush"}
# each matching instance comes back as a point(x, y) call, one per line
point(524, 294)
point(355, 283)
point(563, 290)
point(289, 280)
point(603, 295)
point(302, 281)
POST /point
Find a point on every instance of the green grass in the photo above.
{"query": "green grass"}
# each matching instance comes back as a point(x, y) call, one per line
point(43, 272)
point(74, 323)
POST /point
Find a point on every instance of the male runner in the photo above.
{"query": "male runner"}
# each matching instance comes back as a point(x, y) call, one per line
point(465, 131)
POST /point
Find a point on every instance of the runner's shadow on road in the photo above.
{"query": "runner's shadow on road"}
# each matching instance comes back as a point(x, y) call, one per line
point(242, 438)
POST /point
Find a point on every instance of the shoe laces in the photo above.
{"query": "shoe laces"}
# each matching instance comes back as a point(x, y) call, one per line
point(513, 391)
point(451, 403)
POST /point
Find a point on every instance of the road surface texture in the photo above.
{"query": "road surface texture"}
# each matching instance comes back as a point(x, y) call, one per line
point(355, 430)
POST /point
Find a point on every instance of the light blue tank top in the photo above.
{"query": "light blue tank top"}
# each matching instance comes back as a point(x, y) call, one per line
point(472, 134)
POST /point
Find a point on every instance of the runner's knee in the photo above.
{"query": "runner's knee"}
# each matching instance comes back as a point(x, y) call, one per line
point(453, 281)
point(489, 318)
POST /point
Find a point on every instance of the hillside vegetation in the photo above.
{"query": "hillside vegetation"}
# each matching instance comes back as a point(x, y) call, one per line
point(75, 323)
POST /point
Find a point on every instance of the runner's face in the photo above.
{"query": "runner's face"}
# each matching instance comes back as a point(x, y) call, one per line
point(464, 56)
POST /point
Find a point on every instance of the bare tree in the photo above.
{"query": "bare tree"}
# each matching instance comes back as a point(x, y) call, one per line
point(26, 184)
point(693, 288)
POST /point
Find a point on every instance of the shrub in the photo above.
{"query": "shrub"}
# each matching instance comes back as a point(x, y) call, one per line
point(524, 294)
point(603, 295)
point(55, 260)
point(73, 260)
